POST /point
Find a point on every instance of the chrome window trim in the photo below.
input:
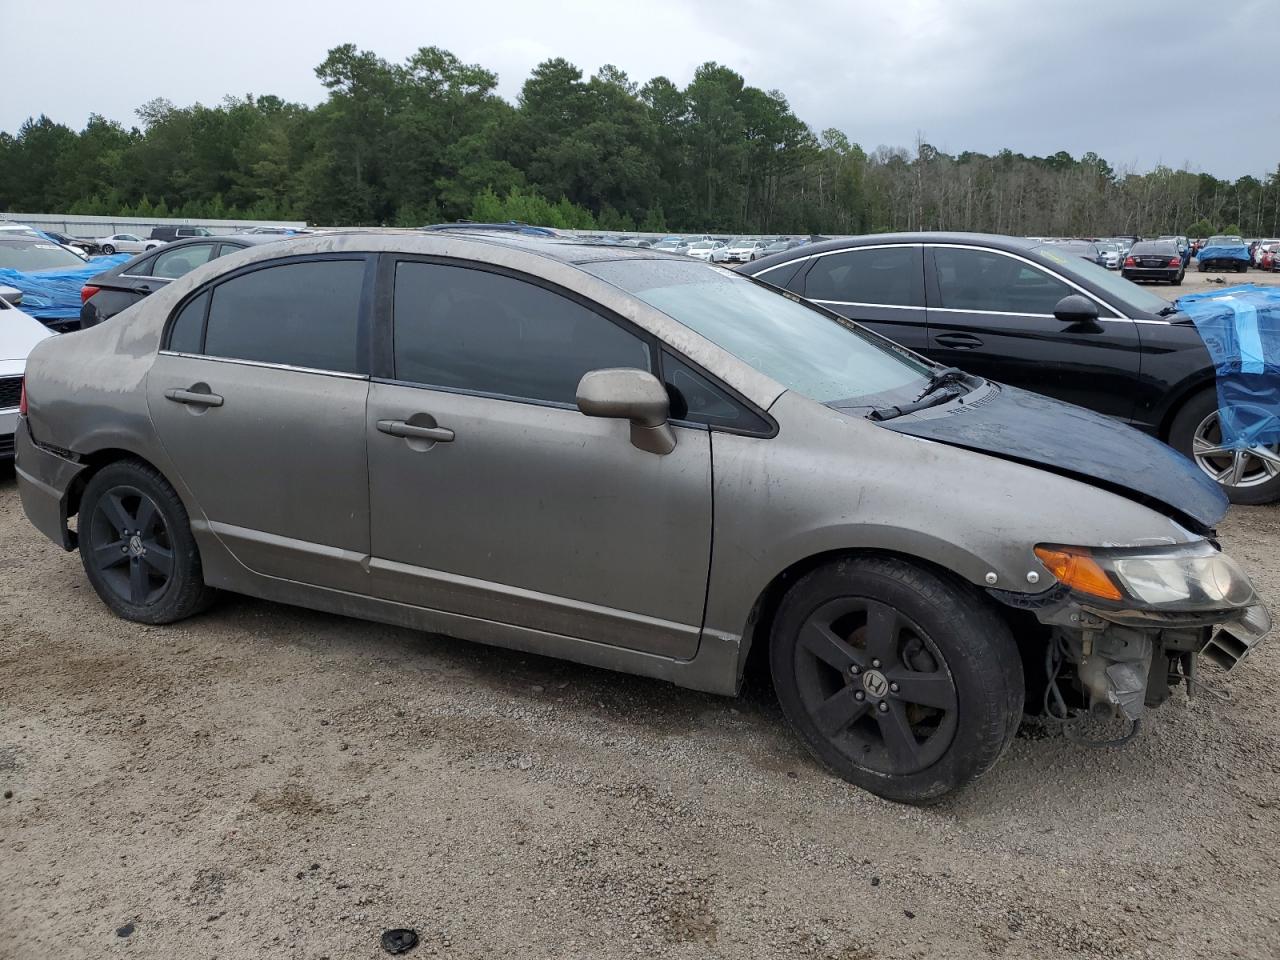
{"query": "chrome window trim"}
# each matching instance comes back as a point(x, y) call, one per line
point(829, 253)
point(141, 276)
point(1030, 263)
point(858, 303)
point(264, 364)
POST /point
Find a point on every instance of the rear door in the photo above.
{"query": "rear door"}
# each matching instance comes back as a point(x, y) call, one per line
point(493, 497)
point(259, 399)
point(881, 287)
point(991, 313)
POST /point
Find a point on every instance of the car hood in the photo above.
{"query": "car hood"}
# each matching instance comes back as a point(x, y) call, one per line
point(19, 332)
point(1069, 440)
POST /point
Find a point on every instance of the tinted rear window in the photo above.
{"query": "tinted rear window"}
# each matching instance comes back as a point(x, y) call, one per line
point(1164, 248)
point(304, 314)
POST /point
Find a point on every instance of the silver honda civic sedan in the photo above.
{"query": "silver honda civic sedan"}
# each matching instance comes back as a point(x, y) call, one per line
point(637, 461)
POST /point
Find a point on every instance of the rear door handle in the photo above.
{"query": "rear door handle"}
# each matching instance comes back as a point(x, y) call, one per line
point(960, 341)
point(193, 398)
point(399, 428)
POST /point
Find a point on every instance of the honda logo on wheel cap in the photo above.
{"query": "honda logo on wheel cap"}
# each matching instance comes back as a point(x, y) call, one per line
point(875, 683)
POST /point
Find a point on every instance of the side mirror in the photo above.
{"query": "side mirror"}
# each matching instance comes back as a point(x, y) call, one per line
point(1075, 308)
point(628, 394)
point(12, 295)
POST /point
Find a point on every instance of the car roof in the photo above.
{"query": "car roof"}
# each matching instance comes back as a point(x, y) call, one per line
point(241, 239)
point(996, 241)
point(565, 249)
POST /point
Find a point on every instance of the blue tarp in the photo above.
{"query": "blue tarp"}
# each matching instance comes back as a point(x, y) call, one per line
point(1240, 252)
point(55, 294)
point(1241, 328)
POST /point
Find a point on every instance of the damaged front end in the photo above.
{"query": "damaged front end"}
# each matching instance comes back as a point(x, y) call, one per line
point(1125, 626)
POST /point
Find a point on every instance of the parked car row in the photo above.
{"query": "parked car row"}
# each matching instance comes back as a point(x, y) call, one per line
point(918, 550)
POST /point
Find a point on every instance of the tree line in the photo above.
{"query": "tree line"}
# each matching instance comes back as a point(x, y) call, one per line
point(429, 139)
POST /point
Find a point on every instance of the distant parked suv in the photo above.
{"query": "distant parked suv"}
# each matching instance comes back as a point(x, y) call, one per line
point(169, 234)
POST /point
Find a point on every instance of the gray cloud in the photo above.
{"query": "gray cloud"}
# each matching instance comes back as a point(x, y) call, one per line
point(1176, 83)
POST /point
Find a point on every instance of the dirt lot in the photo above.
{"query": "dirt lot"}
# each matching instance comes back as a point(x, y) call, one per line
point(266, 781)
point(1197, 282)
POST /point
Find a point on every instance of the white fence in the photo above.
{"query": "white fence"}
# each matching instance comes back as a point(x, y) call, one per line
point(86, 227)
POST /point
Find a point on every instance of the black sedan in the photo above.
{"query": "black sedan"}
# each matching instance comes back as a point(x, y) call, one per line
point(1036, 316)
point(122, 286)
point(1154, 260)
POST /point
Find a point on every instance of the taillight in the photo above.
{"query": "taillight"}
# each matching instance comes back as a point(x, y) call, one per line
point(1130, 262)
point(22, 399)
point(1175, 261)
point(87, 291)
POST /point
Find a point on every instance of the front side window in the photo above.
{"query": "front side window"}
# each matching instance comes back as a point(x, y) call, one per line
point(303, 314)
point(893, 276)
point(986, 280)
point(469, 329)
point(794, 343)
point(173, 264)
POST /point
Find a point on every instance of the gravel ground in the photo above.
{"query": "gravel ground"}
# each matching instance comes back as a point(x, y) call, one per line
point(268, 781)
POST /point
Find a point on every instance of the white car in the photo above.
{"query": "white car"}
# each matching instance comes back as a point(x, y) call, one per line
point(1262, 248)
point(125, 243)
point(19, 333)
point(744, 250)
point(714, 251)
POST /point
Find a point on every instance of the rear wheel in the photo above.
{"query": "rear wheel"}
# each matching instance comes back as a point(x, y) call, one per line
point(137, 548)
point(894, 678)
point(1247, 476)
point(108, 248)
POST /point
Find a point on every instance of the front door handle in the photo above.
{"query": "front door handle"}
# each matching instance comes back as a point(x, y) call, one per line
point(958, 341)
point(410, 431)
point(193, 398)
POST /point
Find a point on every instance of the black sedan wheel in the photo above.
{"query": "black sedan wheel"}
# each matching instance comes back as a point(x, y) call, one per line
point(900, 681)
point(137, 548)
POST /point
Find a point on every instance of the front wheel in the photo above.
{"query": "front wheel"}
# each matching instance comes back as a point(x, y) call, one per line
point(1247, 476)
point(896, 679)
point(137, 548)
point(108, 249)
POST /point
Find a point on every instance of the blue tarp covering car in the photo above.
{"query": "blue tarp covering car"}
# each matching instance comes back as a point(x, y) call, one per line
point(1223, 255)
point(1240, 326)
point(55, 294)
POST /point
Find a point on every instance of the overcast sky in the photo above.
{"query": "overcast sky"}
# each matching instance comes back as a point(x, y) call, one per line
point(1180, 82)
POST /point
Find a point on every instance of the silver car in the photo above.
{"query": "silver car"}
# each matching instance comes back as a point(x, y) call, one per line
point(641, 462)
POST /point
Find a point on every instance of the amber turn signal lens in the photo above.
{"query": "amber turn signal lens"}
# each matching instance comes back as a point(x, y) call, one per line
point(1079, 571)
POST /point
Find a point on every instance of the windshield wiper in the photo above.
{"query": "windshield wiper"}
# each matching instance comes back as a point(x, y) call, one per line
point(1167, 311)
point(945, 385)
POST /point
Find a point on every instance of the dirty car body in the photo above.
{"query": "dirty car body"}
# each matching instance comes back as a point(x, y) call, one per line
point(631, 460)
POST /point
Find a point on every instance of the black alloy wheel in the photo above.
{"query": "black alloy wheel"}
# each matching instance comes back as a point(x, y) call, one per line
point(877, 685)
point(896, 676)
point(131, 547)
point(137, 546)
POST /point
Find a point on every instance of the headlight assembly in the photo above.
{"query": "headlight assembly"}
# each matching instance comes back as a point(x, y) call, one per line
point(1184, 577)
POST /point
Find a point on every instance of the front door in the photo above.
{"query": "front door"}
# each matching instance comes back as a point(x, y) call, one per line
point(493, 497)
point(991, 313)
point(259, 399)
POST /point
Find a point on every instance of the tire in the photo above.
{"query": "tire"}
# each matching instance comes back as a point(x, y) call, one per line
point(1182, 433)
point(1204, 268)
point(137, 548)
point(1243, 268)
point(108, 249)
point(1177, 281)
point(846, 706)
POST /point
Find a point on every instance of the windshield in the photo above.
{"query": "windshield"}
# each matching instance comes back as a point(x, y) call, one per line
point(705, 245)
point(35, 255)
point(668, 244)
point(1225, 242)
point(1128, 293)
point(797, 345)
